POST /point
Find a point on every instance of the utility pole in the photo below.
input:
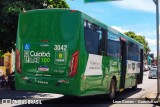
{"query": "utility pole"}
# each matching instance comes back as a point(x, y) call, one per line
point(157, 22)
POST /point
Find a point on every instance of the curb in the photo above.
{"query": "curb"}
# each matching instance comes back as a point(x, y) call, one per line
point(152, 96)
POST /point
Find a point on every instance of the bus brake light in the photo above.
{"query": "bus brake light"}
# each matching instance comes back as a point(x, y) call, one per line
point(44, 40)
point(18, 64)
point(74, 64)
point(73, 10)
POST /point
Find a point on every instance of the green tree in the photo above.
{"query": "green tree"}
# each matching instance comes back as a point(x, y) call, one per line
point(9, 10)
point(140, 39)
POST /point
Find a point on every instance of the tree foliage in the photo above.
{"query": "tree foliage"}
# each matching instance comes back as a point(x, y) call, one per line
point(9, 10)
point(140, 39)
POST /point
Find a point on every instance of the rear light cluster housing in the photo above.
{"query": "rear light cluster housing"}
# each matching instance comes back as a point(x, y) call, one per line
point(74, 64)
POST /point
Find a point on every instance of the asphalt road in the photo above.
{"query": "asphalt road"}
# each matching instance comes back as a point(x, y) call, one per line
point(148, 86)
point(56, 100)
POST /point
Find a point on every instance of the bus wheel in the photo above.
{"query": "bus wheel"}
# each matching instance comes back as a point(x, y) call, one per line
point(134, 88)
point(112, 89)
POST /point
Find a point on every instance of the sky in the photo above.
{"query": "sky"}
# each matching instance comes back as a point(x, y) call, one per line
point(138, 16)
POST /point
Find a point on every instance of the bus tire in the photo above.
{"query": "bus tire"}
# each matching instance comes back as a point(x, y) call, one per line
point(134, 88)
point(112, 89)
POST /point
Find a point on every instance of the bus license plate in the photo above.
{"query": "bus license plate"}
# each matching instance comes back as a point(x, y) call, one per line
point(43, 68)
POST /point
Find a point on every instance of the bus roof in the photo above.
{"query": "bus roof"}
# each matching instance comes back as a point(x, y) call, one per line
point(93, 20)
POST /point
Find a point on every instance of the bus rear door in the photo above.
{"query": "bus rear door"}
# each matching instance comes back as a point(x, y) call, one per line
point(123, 63)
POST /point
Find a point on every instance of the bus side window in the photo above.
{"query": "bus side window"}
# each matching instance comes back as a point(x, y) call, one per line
point(91, 41)
point(133, 52)
point(102, 39)
point(113, 45)
point(93, 37)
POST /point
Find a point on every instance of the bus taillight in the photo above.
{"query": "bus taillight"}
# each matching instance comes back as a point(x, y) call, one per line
point(73, 10)
point(18, 64)
point(74, 64)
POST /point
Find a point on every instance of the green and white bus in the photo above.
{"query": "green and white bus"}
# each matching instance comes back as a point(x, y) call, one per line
point(68, 52)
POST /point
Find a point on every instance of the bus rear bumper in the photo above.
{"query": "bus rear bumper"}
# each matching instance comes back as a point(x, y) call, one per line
point(50, 85)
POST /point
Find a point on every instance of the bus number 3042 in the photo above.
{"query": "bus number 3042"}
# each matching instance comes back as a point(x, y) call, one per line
point(60, 47)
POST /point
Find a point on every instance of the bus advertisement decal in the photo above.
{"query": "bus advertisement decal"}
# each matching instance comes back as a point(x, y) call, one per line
point(36, 56)
point(94, 65)
point(27, 46)
point(43, 68)
point(133, 66)
point(60, 57)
